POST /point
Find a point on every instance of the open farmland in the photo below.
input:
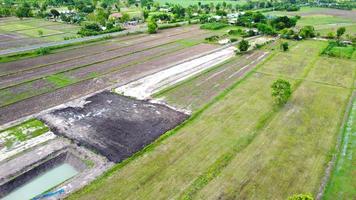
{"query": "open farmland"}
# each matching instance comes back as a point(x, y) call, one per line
point(241, 145)
point(342, 182)
point(77, 72)
point(17, 33)
point(186, 3)
point(324, 20)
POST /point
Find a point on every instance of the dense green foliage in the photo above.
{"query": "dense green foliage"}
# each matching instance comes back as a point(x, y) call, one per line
point(301, 197)
point(243, 45)
point(340, 50)
point(284, 46)
point(95, 29)
point(213, 26)
point(152, 26)
point(281, 91)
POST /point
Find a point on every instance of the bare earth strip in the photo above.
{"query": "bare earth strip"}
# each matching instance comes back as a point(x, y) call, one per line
point(19, 77)
point(62, 95)
point(39, 86)
point(202, 89)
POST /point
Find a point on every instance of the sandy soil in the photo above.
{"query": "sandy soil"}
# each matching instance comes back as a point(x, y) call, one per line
point(196, 93)
point(145, 87)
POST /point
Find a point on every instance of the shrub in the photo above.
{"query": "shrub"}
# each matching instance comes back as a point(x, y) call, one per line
point(330, 35)
point(213, 26)
point(235, 32)
point(337, 49)
point(233, 39)
point(301, 197)
point(340, 31)
point(243, 45)
point(284, 46)
point(212, 38)
point(43, 51)
point(152, 26)
point(266, 29)
point(281, 91)
point(307, 32)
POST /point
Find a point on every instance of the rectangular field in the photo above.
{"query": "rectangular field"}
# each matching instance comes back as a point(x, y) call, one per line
point(241, 145)
point(34, 31)
point(53, 79)
point(342, 184)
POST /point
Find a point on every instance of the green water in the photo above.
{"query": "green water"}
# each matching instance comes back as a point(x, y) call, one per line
point(43, 182)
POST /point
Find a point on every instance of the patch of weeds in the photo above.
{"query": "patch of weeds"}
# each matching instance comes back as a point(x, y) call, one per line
point(213, 38)
point(8, 143)
point(88, 163)
point(188, 43)
point(43, 51)
point(213, 26)
point(60, 80)
point(336, 49)
point(24, 131)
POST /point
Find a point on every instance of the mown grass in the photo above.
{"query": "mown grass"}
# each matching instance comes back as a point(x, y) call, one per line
point(60, 80)
point(240, 145)
point(342, 183)
point(290, 155)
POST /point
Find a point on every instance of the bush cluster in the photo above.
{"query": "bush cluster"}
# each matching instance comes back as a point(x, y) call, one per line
point(213, 26)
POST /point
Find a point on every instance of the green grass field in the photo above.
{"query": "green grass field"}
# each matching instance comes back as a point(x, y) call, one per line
point(30, 27)
point(241, 145)
point(342, 184)
point(324, 20)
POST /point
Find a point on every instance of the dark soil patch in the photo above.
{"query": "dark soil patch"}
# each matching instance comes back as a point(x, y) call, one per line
point(114, 125)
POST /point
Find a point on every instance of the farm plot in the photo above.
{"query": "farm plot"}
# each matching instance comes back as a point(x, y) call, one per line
point(308, 11)
point(30, 30)
point(92, 49)
point(80, 70)
point(25, 90)
point(198, 91)
point(342, 182)
point(324, 20)
point(114, 125)
point(63, 94)
point(238, 145)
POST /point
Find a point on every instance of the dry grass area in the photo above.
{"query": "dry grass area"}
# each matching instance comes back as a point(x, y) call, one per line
point(241, 145)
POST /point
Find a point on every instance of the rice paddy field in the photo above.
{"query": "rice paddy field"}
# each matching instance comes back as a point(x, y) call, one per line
point(239, 144)
point(16, 33)
point(69, 73)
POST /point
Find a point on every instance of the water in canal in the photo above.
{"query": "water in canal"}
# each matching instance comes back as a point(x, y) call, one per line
point(42, 183)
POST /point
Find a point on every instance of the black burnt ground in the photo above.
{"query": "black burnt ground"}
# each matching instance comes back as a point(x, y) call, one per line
point(114, 125)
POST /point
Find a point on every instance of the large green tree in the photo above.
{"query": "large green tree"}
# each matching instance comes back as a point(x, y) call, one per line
point(24, 10)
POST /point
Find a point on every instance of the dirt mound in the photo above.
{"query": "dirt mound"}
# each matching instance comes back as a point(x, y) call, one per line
point(114, 125)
